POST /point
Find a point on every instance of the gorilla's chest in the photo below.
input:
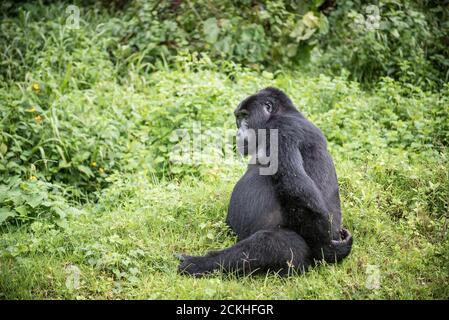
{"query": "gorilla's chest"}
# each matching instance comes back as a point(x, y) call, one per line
point(254, 205)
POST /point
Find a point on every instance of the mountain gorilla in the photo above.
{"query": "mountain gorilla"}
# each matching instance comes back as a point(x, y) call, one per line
point(290, 219)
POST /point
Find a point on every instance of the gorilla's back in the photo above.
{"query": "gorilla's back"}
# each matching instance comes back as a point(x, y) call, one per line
point(254, 205)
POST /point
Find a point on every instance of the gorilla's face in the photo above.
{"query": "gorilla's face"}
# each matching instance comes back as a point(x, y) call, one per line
point(251, 115)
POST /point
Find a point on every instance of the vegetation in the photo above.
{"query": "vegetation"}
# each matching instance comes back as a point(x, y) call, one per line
point(92, 204)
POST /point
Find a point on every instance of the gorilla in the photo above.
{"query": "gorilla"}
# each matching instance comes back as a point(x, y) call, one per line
point(286, 220)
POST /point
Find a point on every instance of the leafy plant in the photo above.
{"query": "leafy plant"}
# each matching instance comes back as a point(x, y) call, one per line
point(405, 40)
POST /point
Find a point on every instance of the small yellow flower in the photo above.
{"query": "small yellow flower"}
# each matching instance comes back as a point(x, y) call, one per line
point(101, 170)
point(32, 109)
point(36, 87)
point(93, 164)
point(38, 118)
point(33, 178)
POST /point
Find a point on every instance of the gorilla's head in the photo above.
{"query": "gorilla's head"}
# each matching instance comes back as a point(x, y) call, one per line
point(255, 112)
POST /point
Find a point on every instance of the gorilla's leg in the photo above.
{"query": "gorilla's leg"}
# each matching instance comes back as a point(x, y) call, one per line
point(278, 250)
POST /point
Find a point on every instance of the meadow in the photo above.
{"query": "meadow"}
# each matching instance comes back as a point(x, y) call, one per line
point(93, 207)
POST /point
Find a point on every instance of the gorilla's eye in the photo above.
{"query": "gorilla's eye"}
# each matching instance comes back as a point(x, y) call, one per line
point(269, 106)
point(242, 115)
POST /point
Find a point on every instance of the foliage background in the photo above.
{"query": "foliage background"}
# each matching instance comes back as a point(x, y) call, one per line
point(86, 123)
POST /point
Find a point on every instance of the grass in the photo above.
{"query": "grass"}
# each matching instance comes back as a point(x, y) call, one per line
point(124, 246)
point(117, 231)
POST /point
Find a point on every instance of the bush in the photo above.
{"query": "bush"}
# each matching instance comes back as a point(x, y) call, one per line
point(79, 114)
point(405, 40)
point(262, 34)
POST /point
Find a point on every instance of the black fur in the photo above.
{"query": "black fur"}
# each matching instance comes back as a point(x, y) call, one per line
point(291, 219)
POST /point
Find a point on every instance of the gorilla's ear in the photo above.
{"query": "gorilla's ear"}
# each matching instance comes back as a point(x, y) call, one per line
point(282, 100)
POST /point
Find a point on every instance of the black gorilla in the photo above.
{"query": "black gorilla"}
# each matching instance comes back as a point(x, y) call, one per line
point(287, 220)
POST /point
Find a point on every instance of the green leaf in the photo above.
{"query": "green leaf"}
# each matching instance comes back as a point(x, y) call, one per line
point(211, 30)
point(3, 148)
point(267, 75)
point(324, 24)
point(62, 223)
point(176, 170)
point(159, 159)
point(224, 46)
point(5, 213)
point(311, 20)
point(86, 170)
point(64, 164)
point(22, 210)
point(35, 200)
point(292, 49)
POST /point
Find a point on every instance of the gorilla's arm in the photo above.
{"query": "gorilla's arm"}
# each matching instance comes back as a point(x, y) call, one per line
point(305, 210)
point(293, 182)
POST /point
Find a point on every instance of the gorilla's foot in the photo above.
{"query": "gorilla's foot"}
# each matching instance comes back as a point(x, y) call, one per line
point(194, 266)
point(345, 238)
point(337, 249)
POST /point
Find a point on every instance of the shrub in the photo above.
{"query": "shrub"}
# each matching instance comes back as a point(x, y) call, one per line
point(405, 40)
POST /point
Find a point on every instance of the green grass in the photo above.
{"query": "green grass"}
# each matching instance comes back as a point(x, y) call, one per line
point(121, 226)
point(124, 247)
